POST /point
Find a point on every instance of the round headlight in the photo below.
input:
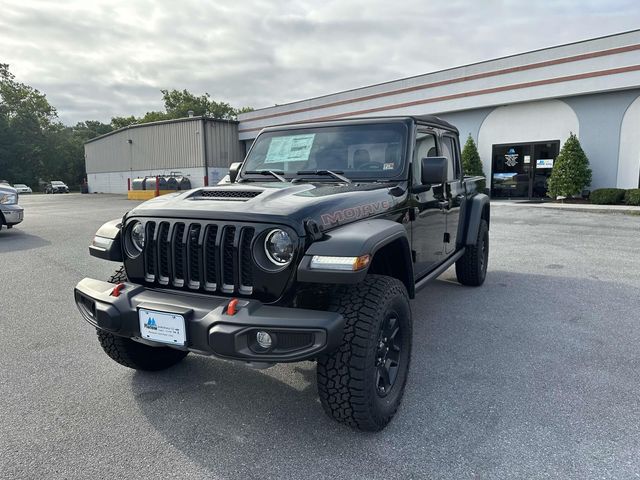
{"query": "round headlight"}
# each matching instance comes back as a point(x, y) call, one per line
point(136, 238)
point(279, 247)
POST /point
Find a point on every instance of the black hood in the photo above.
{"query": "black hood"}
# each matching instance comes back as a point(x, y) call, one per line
point(328, 204)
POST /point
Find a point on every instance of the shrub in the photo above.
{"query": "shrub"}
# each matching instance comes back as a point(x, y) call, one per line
point(471, 163)
point(607, 196)
point(571, 172)
point(632, 197)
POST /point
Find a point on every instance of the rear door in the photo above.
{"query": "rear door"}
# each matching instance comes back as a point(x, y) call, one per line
point(455, 193)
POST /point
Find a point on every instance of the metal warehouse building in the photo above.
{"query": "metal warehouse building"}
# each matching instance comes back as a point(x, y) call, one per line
point(519, 110)
point(200, 148)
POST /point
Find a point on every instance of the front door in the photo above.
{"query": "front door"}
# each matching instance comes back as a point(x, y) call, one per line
point(429, 225)
point(522, 170)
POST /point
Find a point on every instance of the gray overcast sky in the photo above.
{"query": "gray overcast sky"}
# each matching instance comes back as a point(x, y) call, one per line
point(96, 59)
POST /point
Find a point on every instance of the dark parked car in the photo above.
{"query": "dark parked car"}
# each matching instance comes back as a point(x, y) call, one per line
point(56, 187)
point(311, 252)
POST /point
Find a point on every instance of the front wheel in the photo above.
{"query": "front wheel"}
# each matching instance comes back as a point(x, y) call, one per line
point(362, 383)
point(133, 354)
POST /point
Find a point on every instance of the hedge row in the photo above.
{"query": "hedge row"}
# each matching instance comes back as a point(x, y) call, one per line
point(614, 196)
point(632, 197)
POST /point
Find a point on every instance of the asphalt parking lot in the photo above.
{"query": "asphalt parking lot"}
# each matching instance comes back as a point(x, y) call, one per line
point(534, 375)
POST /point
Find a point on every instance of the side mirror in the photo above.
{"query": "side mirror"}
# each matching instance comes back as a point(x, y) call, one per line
point(234, 169)
point(434, 170)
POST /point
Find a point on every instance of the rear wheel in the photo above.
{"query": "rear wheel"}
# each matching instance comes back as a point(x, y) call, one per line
point(362, 383)
point(133, 354)
point(471, 268)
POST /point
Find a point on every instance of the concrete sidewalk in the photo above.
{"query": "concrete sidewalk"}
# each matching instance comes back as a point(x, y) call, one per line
point(573, 207)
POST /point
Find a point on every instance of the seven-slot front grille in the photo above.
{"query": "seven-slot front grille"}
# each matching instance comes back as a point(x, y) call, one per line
point(199, 256)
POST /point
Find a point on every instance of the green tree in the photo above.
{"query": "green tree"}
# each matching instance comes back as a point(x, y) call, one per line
point(178, 104)
point(25, 119)
point(121, 122)
point(471, 163)
point(571, 172)
point(154, 117)
point(90, 129)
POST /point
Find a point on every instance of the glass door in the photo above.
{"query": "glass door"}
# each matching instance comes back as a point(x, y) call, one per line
point(544, 155)
point(522, 170)
point(511, 171)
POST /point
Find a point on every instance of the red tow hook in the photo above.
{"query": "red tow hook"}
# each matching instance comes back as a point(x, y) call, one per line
point(232, 307)
point(117, 289)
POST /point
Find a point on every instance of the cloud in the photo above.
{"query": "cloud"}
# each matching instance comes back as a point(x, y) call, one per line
point(99, 59)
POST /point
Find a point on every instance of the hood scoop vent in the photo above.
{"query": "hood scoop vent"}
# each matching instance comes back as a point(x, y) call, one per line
point(233, 195)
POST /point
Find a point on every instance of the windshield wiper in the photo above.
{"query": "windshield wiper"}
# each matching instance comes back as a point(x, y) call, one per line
point(276, 174)
point(327, 173)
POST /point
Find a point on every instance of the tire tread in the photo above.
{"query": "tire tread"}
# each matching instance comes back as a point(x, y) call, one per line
point(341, 375)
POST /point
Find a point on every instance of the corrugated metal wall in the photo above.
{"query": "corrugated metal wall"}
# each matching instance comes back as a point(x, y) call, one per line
point(223, 146)
point(165, 146)
point(158, 146)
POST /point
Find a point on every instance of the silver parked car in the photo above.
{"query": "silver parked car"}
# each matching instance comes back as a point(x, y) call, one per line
point(22, 188)
point(10, 212)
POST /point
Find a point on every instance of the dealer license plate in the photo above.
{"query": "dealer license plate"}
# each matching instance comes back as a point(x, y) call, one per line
point(162, 327)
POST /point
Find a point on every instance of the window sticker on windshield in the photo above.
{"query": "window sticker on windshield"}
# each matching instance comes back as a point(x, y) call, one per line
point(388, 166)
point(294, 148)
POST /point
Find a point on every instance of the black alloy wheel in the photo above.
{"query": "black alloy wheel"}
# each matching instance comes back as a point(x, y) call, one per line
point(388, 354)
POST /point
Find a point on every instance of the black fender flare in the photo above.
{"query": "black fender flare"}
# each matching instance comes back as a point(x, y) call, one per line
point(354, 240)
point(106, 243)
point(478, 208)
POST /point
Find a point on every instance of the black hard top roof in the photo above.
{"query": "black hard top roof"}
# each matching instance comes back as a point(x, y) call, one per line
point(435, 121)
point(430, 120)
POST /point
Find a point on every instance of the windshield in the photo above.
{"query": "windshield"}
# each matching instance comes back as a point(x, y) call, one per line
point(20, 185)
point(57, 184)
point(374, 151)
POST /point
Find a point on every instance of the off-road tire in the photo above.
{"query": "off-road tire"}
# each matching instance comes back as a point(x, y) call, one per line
point(471, 268)
point(133, 354)
point(118, 276)
point(347, 381)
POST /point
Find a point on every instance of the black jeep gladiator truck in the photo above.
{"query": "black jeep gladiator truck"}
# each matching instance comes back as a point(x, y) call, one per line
point(312, 251)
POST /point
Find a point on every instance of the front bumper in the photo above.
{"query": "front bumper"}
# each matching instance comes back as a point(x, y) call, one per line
point(13, 214)
point(298, 334)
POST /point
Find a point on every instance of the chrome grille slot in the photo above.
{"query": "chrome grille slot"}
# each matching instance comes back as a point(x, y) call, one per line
point(179, 247)
point(229, 259)
point(150, 253)
point(194, 255)
point(210, 258)
point(200, 256)
point(163, 245)
point(246, 261)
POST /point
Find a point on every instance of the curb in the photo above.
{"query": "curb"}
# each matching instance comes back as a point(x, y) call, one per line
point(614, 209)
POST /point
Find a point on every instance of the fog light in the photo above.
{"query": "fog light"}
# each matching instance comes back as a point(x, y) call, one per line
point(264, 340)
